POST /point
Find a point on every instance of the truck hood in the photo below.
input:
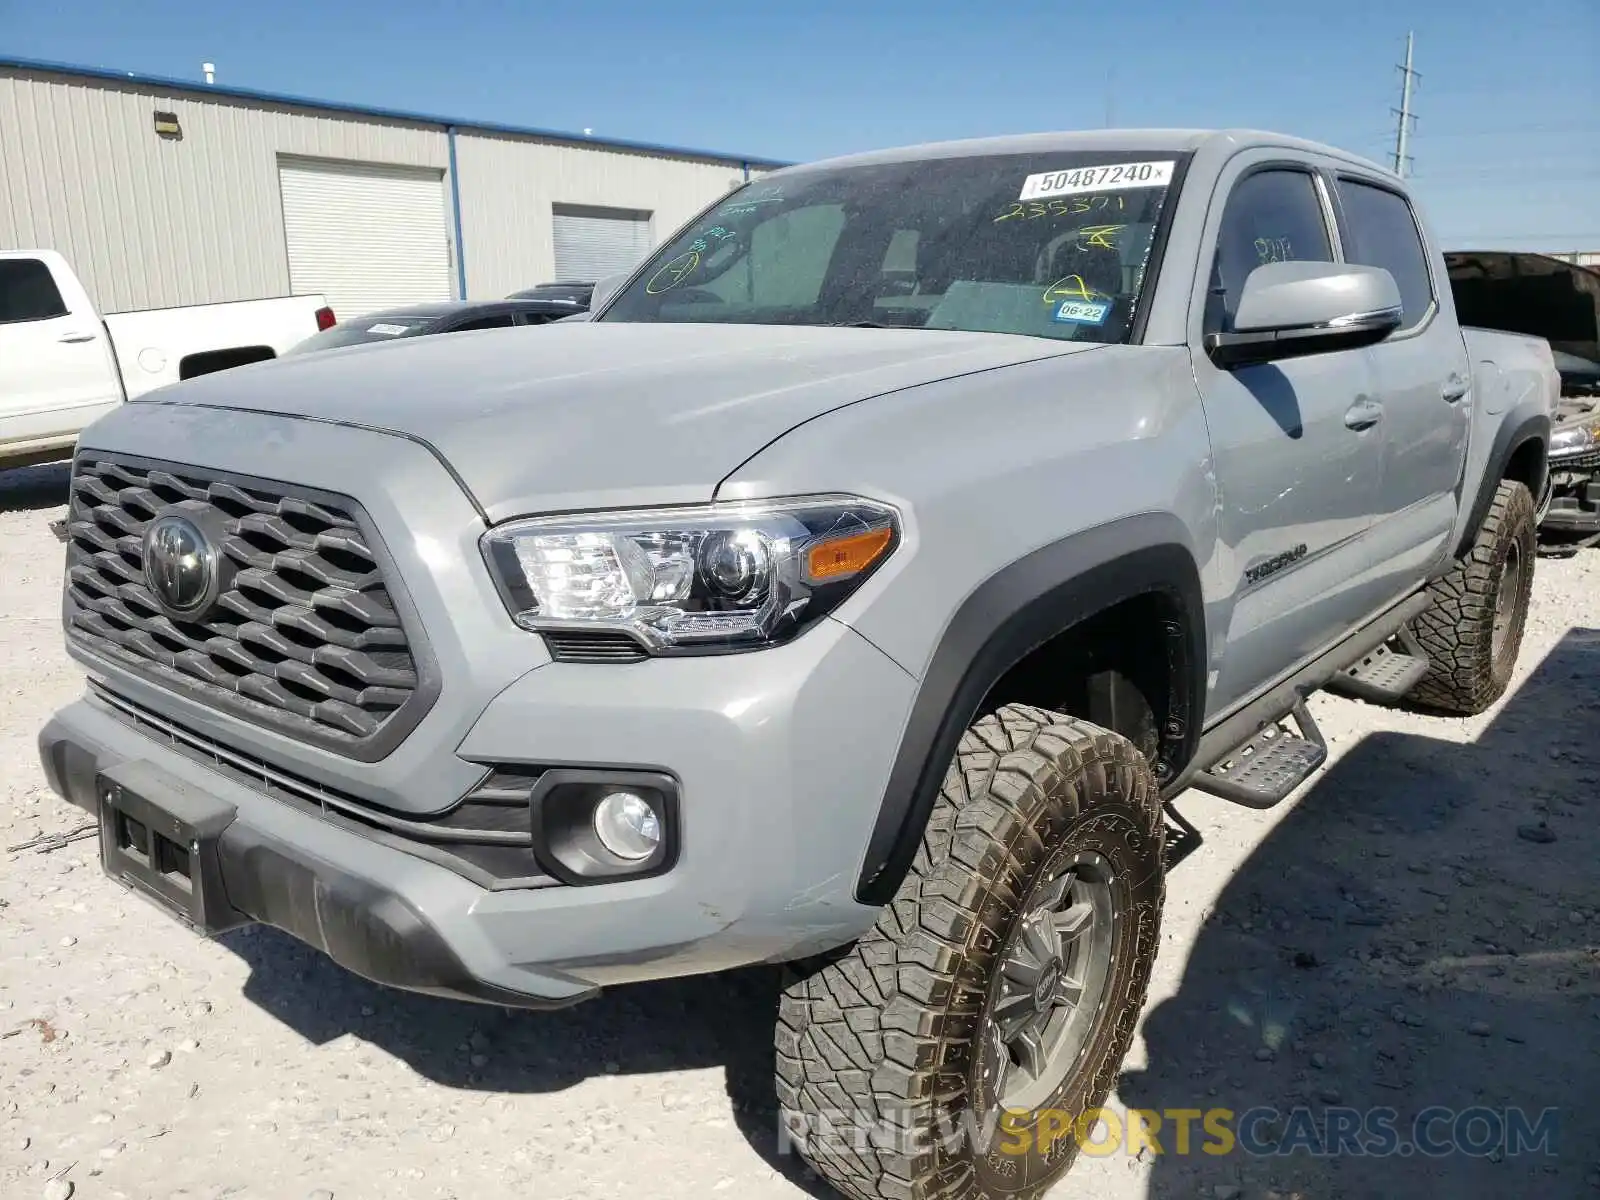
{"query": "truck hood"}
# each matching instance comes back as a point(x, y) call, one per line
point(604, 414)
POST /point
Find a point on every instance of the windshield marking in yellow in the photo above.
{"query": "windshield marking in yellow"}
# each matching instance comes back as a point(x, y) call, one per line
point(672, 273)
point(1071, 287)
point(1099, 237)
point(1032, 210)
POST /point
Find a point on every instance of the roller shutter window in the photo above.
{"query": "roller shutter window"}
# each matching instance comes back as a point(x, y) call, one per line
point(592, 243)
point(366, 236)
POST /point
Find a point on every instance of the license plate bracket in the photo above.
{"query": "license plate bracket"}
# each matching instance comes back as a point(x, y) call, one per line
point(166, 850)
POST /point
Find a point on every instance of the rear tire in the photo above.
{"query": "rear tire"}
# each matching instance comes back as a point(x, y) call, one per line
point(1028, 919)
point(1472, 627)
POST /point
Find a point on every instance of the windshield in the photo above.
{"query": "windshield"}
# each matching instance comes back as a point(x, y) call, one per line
point(370, 329)
point(1051, 245)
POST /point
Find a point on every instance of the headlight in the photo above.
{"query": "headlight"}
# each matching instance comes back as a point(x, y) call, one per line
point(1579, 438)
point(692, 580)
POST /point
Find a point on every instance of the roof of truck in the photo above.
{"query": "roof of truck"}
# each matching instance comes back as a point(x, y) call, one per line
point(1136, 141)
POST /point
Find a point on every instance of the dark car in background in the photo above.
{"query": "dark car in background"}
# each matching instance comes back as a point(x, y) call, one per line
point(577, 295)
point(421, 320)
point(1560, 302)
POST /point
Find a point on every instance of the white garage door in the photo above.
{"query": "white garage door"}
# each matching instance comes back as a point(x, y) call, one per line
point(365, 236)
point(592, 243)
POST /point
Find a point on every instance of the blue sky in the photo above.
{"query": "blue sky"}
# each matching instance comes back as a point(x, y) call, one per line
point(1506, 145)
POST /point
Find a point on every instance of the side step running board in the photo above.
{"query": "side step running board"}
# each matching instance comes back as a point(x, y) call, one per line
point(1270, 765)
point(1383, 675)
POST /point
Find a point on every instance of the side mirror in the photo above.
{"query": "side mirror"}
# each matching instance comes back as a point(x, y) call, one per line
point(607, 288)
point(1292, 309)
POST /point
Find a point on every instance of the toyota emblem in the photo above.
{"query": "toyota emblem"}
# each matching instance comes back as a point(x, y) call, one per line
point(180, 565)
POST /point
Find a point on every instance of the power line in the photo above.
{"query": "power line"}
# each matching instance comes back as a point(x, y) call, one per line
point(1402, 135)
point(1574, 130)
point(1523, 175)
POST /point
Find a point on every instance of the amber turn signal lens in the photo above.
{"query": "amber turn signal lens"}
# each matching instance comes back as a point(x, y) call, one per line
point(843, 556)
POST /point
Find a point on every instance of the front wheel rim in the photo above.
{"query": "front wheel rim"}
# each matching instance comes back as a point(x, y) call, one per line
point(1507, 599)
point(1053, 973)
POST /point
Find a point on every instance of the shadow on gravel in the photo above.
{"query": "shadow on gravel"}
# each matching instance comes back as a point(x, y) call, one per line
point(1350, 881)
point(1397, 943)
point(685, 1024)
point(24, 488)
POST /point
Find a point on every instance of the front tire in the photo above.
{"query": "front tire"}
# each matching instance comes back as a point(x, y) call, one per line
point(1002, 983)
point(1472, 628)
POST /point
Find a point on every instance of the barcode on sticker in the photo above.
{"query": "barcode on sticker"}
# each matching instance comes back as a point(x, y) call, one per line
point(1109, 178)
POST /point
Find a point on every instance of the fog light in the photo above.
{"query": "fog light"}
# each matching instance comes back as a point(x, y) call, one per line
point(627, 826)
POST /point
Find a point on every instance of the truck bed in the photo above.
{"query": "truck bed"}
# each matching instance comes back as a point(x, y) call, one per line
point(1507, 366)
point(158, 346)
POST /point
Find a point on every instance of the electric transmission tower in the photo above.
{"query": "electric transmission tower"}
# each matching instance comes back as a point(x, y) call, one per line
point(1402, 133)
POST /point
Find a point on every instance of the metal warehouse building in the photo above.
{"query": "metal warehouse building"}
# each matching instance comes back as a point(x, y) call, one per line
point(165, 192)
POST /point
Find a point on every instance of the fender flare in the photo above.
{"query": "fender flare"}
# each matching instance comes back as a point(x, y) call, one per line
point(1508, 439)
point(1010, 614)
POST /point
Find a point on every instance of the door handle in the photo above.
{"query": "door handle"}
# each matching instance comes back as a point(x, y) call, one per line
point(76, 337)
point(1454, 388)
point(1363, 414)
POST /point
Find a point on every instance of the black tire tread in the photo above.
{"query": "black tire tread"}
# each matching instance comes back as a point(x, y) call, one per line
point(1457, 627)
point(873, 1032)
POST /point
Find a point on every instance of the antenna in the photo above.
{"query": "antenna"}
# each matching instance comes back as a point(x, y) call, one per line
point(1402, 135)
point(211, 71)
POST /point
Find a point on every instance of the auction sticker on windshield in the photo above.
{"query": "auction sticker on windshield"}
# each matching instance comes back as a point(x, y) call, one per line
point(385, 327)
point(1110, 178)
point(1083, 312)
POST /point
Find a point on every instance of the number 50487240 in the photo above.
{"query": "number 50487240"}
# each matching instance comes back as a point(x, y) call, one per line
point(1109, 177)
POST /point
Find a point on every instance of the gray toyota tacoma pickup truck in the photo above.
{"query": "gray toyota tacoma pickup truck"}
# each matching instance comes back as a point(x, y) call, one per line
point(855, 590)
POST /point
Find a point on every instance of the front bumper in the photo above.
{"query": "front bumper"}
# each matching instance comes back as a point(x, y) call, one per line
point(780, 759)
point(781, 755)
point(362, 905)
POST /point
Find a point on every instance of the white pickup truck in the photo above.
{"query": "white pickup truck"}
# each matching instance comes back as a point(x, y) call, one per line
point(62, 364)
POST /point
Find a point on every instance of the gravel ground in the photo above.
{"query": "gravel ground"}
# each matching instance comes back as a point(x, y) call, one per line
point(1389, 938)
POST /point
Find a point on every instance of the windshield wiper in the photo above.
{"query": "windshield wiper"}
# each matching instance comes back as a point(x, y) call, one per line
point(863, 325)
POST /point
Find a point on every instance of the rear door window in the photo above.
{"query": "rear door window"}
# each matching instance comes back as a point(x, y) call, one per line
point(27, 292)
point(1380, 230)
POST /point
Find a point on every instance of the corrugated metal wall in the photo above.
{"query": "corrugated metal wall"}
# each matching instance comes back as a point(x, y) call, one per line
point(508, 185)
point(149, 221)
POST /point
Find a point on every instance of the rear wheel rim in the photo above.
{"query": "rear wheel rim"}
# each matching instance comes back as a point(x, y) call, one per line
point(1053, 973)
point(1507, 599)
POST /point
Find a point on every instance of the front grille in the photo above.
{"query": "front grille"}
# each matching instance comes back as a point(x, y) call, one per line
point(487, 836)
point(1587, 461)
point(305, 636)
